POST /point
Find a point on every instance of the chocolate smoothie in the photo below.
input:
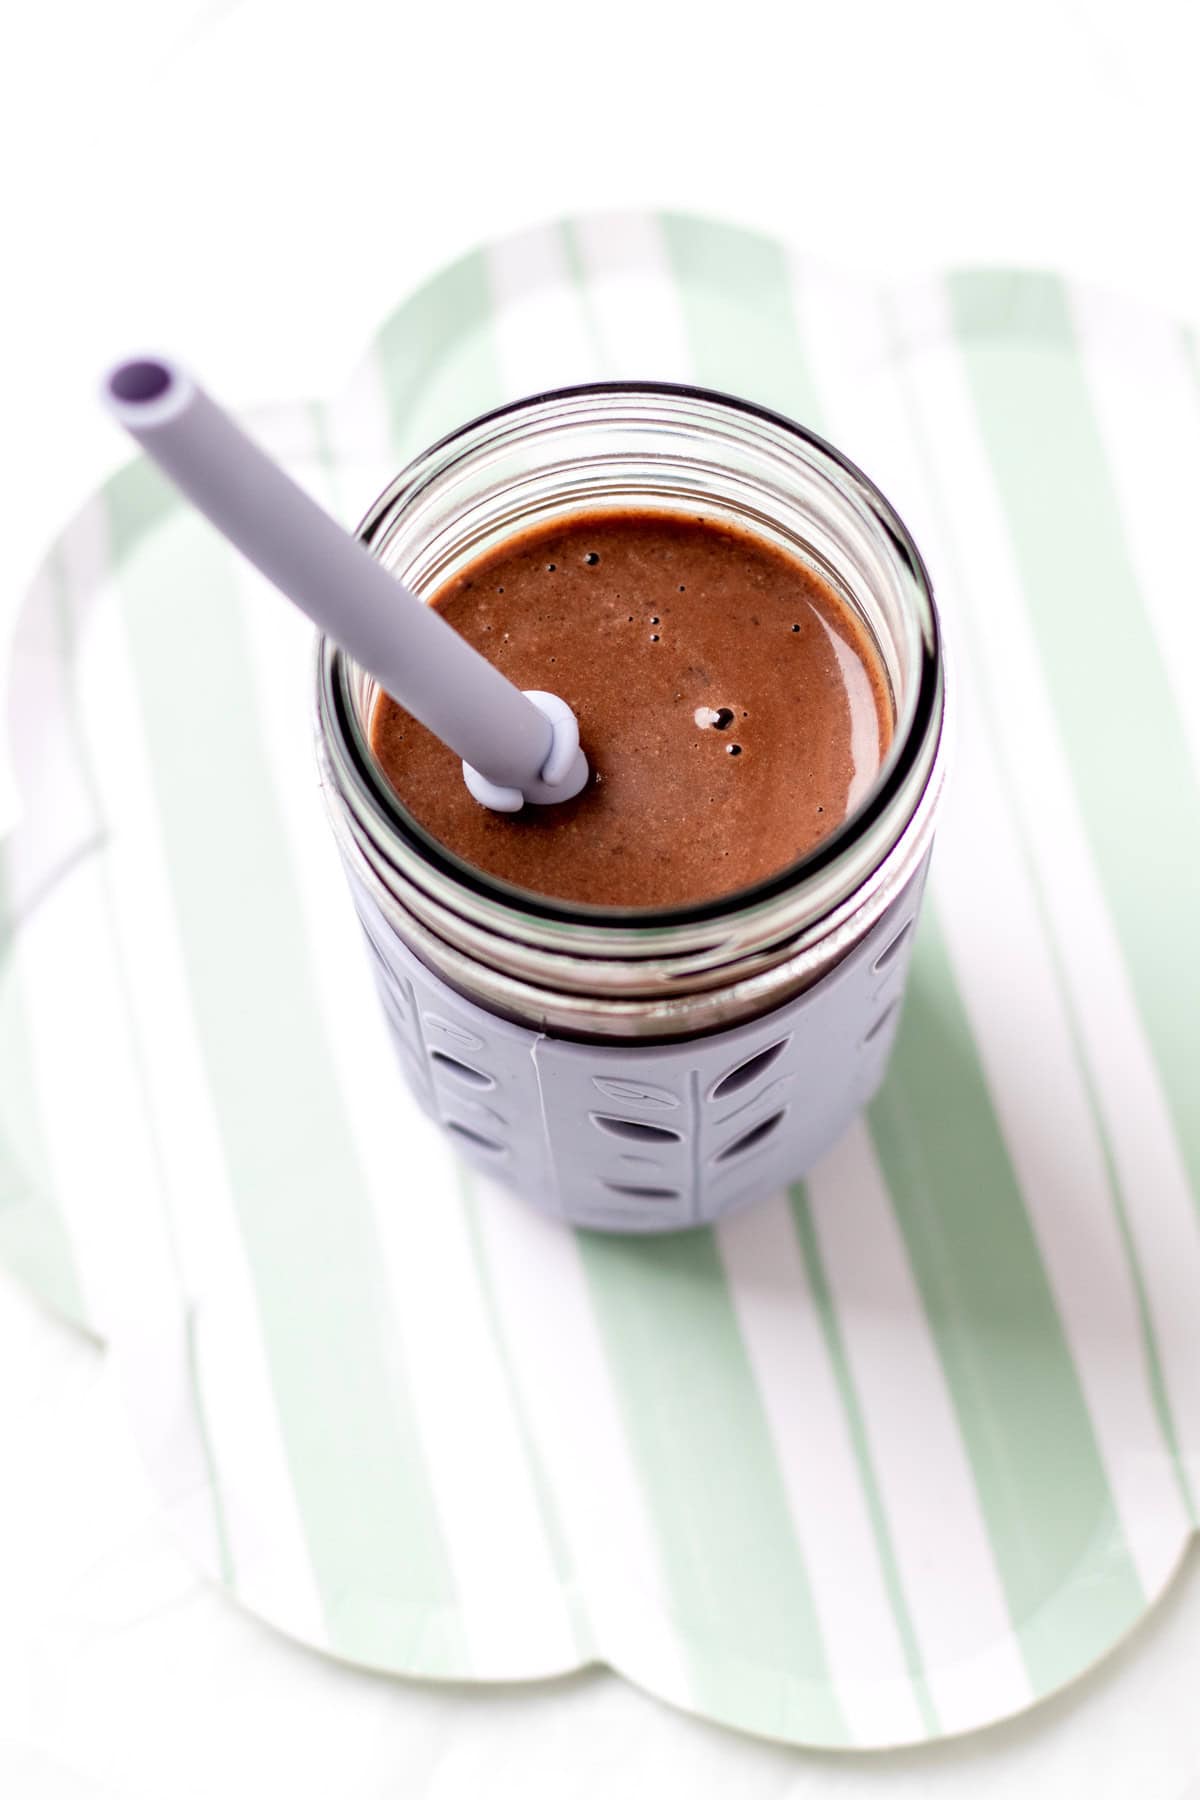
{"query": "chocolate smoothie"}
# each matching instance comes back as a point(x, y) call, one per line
point(732, 706)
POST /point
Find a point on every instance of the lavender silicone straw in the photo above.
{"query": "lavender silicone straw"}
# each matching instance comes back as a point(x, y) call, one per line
point(417, 658)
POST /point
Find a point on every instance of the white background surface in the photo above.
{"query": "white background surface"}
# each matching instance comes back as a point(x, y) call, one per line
point(253, 184)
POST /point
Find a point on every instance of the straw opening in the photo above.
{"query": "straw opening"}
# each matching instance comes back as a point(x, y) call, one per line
point(139, 382)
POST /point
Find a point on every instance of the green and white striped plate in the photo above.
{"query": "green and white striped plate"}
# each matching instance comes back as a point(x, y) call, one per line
point(891, 1456)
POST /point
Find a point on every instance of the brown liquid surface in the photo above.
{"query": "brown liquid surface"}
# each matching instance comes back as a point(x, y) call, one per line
point(732, 707)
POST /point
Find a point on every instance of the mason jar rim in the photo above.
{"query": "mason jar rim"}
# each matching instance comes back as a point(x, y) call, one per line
point(912, 733)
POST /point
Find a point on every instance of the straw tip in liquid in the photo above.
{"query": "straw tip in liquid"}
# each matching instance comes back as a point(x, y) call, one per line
point(564, 772)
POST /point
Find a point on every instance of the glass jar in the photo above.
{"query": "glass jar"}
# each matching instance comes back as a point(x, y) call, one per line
point(599, 974)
